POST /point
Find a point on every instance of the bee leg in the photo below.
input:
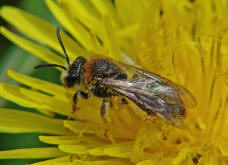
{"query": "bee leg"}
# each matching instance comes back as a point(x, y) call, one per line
point(104, 116)
point(104, 111)
point(123, 101)
point(134, 76)
point(75, 99)
point(110, 103)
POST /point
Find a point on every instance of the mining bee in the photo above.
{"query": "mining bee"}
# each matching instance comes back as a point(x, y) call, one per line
point(104, 78)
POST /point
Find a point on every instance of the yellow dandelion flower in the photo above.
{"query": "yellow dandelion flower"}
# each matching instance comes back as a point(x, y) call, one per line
point(184, 41)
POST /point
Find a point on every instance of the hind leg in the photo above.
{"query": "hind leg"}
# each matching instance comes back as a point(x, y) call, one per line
point(105, 117)
point(123, 100)
point(104, 109)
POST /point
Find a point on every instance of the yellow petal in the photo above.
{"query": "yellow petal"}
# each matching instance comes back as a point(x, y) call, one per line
point(51, 104)
point(73, 26)
point(58, 139)
point(183, 154)
point(212, 158)
point(127, 31)
point(12, 93)
point(127, 11)
point(28, 98)
point(76, 139)
point(97, 47)
point(102, 162)
point(148, 28)
point(85, 13)
point(40, 30)
point(41, 52)
point(45, 86)
point(119, 150)
point(48, 152)
point(106, 8)
point(223, 147)
point(148, 162)
point(144, 139)
point(57, 161)
point(94, 124)
point(74, 149)
point(84, 127)
point(15, 121)
point(110, 40)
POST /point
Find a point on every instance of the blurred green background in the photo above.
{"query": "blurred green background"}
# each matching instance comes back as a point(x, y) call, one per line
point(15, 58)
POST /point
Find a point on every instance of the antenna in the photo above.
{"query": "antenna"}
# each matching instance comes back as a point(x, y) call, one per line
point(56, 65)
point(44, 65)
point(61, 43)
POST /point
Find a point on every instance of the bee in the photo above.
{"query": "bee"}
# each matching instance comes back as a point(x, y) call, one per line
point(104, 77)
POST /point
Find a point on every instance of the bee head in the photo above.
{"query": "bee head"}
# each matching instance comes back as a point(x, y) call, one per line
point(72, 76)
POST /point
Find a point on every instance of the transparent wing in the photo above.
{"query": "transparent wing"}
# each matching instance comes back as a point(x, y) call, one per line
point(154, 101)
point(186, 96)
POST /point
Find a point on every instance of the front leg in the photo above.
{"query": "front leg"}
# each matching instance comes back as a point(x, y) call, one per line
point(75, 99)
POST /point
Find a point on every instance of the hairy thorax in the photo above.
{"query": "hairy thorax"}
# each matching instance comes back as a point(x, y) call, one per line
point(96, 70)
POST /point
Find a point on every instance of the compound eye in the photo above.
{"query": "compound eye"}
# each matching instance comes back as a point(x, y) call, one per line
point(73, 74)
point(72, 80)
